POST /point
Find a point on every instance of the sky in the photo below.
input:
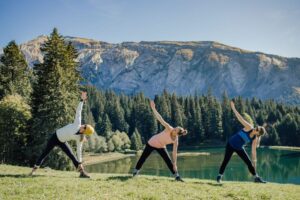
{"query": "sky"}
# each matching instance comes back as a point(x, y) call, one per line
point(269, 26)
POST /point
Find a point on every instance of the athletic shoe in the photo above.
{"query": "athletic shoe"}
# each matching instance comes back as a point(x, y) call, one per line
point(31, 173)
point(33, 170)
point(219, 178)
point(259, 180)
point(178, 178)
point(135, 173)
point(83, 174)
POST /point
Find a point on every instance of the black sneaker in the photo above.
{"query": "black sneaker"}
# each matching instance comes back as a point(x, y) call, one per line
point(219, 178)
point(83, 174)
point(259, 180)
point(178, 178)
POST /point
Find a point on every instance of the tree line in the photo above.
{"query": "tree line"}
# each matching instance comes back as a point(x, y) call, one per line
point(34, 102)
point(209, 120)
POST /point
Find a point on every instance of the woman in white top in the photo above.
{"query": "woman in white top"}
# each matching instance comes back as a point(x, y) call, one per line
point(74, 131)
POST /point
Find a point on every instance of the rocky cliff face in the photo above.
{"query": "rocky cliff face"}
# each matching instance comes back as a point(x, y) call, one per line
point(182, 67)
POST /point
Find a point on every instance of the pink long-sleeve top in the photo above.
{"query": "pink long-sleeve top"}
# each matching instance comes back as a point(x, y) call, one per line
point(162, 139)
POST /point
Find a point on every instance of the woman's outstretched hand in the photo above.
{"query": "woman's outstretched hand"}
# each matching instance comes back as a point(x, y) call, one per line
point(232, 104)
point(152, 104)
point(84, 96)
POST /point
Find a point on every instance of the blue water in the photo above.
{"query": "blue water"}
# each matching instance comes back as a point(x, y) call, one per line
point(281, 166)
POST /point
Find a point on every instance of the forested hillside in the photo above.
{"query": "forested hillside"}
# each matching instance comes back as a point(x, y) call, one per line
point(208, 120)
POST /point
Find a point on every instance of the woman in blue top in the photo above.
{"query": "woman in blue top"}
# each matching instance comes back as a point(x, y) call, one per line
point(236, 144)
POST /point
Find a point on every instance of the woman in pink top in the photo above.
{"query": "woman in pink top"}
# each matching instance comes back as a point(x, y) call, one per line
point(159, 141)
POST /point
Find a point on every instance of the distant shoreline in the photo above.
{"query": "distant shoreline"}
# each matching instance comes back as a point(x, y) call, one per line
point(91, 159)
point(282, 147)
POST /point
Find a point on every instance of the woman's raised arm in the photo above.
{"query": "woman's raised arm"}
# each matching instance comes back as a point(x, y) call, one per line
point(246, 124)
point(158, 116)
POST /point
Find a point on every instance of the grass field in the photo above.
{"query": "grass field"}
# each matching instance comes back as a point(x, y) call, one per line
point(51, 184)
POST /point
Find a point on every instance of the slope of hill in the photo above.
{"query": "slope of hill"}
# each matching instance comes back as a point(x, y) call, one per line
point(51, 184)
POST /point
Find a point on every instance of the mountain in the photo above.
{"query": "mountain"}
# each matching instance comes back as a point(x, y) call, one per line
point(182, 67)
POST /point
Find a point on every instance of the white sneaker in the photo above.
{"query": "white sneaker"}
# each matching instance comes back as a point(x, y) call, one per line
point(135, 172)
point(33, 170)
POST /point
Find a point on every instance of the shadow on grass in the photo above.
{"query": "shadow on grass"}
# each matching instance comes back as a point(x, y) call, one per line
point(212, 184)
point(19, 176)
point(215, 184)
point(119, 178)
point(126, 178)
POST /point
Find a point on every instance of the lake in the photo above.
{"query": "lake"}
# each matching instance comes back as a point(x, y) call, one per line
point(281, 166)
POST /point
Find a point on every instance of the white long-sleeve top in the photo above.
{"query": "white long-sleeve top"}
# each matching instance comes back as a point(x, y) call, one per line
point(69, 132)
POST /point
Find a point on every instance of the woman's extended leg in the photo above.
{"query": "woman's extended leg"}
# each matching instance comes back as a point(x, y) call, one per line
point(244, 156)
point(228, 153)
point(164, 154)
point(67, 149)
point(53, 141)
point(147, 151)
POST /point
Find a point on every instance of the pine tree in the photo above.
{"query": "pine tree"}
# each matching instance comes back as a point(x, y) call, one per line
point(217, 121)
point(163, 108)
point(226, 117)
point(15, 74)
point(55, 96)
point(145, 120)
point(176, 112)
point(136, 141)
point(198, 126)
point(106, 127)
point(14, 116)
point(287, 130)
point(271, 138)
point(116, 113)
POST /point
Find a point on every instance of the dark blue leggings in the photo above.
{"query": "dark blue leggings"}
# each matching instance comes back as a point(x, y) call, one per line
point(162, 152)
point(52, 142)
point(241, 153)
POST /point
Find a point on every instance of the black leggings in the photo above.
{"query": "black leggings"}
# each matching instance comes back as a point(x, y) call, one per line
point(243, 155)
point(162, 152)
point(53, 141)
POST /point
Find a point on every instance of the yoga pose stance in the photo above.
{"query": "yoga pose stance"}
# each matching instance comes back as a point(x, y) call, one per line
point(159, 141)
point(74, 131)
point(236, 144)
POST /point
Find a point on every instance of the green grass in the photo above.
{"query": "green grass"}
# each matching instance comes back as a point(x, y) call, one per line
point(51, 184)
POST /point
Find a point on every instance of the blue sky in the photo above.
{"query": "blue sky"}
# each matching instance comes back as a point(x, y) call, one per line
point(269, 26)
